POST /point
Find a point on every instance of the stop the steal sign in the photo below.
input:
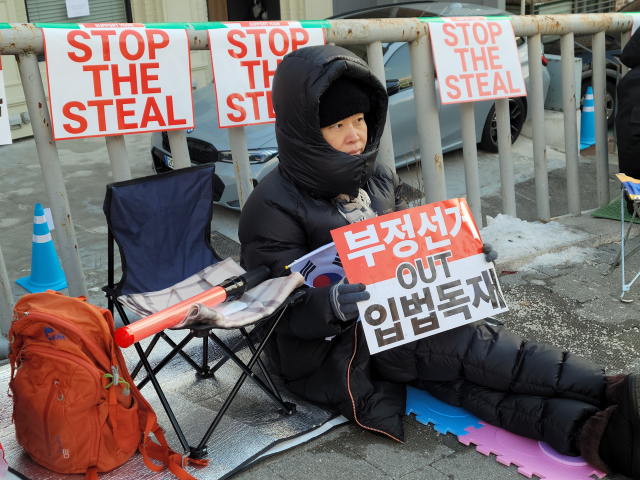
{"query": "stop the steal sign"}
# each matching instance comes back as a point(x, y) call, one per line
point(114, 79)
point(244, 57)
point(476, 59)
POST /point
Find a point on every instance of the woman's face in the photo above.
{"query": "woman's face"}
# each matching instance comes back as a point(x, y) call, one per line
point(348, 135)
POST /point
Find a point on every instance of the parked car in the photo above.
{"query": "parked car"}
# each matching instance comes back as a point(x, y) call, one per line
point(582, 49)
point(207, 143)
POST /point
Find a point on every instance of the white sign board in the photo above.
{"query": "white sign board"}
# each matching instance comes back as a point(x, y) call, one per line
point(115, 79)
point(476, 59)
point(5, 128)
point(77, 8)
point(244, 61)
point(424, 269)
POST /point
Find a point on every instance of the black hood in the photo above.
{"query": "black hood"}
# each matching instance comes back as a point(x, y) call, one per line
point(630, 55)
point(305, 156)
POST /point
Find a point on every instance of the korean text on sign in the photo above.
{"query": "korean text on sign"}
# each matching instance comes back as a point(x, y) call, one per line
point(244, 60)
point(114, 79)
point(476, 59)
point(425, 270)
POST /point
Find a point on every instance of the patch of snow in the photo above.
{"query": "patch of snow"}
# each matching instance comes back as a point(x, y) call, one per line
point(570, 256)
point(514, 238)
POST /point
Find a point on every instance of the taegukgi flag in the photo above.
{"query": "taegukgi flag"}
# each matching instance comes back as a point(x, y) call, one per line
point(321, 267)
point(425, 270)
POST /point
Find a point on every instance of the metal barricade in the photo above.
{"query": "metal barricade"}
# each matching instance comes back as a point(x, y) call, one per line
point(25, 41)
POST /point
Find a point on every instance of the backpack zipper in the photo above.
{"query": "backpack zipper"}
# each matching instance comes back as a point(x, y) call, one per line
point(94, 373)
point(45, 415)
point(91, 344)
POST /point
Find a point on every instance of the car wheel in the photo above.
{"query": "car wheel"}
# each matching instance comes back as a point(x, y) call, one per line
point(517, 115)
point(609, 98)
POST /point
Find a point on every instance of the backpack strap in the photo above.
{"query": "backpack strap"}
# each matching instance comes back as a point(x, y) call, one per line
point(92, 474)
point(163, 453)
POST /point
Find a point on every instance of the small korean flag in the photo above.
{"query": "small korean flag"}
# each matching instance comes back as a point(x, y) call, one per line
point(321, 267)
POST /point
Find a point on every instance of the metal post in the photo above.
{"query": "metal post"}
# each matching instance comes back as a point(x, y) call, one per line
point(624, 38)
point(507, 182)
point(6, 299)
point(118, 157)
point(427, 119)
point(522, 7)
point(52, 173)
point(569, 106)
point(536, 103)
point(470, 154)
point(599, 92)
point(241, 166)
point(376, 63)
point(179, 148)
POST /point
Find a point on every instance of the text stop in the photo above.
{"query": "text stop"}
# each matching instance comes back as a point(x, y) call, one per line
point(244, 63)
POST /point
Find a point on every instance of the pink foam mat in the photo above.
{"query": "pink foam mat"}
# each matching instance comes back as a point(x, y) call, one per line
point(530, 456)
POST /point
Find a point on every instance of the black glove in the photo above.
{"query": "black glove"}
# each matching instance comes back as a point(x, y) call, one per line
point(344, 296)
point(489, 253)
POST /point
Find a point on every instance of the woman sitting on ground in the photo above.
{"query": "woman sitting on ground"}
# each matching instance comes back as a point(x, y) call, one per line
point(330, 114)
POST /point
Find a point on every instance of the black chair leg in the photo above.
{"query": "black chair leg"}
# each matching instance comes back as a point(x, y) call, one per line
point(287, 408)
point(235, 348)
point(249, 341)
point(166, 360)
point(205, 371)
point(163, 400)
point(147, 352)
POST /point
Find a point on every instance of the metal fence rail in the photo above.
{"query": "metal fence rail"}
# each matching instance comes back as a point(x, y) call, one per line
point(26, 42)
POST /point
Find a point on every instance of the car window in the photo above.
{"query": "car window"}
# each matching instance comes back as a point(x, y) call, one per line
point(361, 50)
point(388, 12)
point(398, 67)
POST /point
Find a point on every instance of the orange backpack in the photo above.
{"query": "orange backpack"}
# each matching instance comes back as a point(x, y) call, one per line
point(75, 406)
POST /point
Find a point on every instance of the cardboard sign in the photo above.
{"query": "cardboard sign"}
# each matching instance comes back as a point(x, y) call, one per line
point(244, 60)
point(115, 79)
point(425, 270)
point(5, 127)
point(476, 59)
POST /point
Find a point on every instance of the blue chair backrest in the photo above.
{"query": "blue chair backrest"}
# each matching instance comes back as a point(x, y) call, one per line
point(162, 225)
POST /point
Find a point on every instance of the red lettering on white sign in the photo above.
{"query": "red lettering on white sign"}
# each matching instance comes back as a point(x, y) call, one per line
point(112, 79)
point(244, 65)
point(477, 59)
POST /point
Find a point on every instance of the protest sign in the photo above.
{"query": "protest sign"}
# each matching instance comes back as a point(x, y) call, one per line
point(476, 59)
point(425, 270)
point(5, 127)
point(115, 79)
point(244, 61)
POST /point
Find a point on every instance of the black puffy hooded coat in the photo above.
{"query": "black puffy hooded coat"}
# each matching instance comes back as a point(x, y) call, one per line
point(528, 388)
point(628, 114)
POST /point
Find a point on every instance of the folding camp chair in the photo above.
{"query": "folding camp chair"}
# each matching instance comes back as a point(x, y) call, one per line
point(630, 189)
point(162, 225)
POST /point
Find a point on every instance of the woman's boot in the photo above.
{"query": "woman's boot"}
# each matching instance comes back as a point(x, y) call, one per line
point(610, 440)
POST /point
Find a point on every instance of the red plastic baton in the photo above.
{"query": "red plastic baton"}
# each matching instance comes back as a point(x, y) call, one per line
point(171, 316)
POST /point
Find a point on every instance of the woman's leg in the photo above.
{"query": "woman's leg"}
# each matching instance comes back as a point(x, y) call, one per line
point(495, 358)
point(528, 388)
